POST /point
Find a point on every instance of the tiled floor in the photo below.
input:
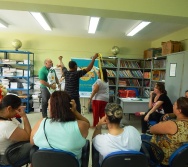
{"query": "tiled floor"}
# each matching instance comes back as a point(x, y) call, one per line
point(134, 121)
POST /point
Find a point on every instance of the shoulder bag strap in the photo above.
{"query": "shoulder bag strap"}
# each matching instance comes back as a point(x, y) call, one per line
point(45, 134)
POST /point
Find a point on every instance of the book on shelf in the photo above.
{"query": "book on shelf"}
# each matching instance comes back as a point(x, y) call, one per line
point(111, 73)
point(158, 75)
point(111, 82)
point(146, 93)
point(147, 75)
point(147, 64)
point(146, 83)
point(107, 64)
point(159, 63)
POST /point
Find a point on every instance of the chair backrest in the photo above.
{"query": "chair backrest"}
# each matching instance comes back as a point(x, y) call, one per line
point(14, 149)
point(125, 158)
point(156, 154)
point(120, 159)
point(179, 157)
point(58, 158)
point(53, 157)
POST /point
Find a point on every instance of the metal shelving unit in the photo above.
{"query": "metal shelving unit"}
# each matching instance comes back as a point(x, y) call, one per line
point(28, 67)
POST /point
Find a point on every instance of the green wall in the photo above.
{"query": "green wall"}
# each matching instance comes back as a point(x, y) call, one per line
point(46, 46)
point(181, 35)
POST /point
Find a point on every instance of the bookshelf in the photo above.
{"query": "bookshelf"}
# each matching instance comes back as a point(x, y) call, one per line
point(130, 74)
point(111, 65)
point(139, 74)
point(154, 71)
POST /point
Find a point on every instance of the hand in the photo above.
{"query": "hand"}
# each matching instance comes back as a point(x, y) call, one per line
point(146, 118)
point(95, 56)
point(102, 121)
point(53, 86)
point(21, 111)
point(165, 117)
point(73, 104)
point(60, 58)
point(151, 93)
point(89, 100)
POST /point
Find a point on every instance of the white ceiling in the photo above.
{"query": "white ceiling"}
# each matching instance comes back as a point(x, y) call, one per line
point(77, 25)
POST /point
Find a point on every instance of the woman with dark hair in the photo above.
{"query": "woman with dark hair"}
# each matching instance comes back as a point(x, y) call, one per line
point(11, 130)
point(66, 129)
point(170, 135)
point(159, 104)
point(117, 138)
point(99, 96)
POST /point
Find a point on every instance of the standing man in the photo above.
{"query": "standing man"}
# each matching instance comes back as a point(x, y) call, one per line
point(43, 77)
point(72, 80)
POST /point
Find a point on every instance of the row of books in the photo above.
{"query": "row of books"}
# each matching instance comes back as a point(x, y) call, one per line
point(158, 75)
point(146, 93)
point(147, 64)
point(107, 64)
point(129, 82)
point(159, 63)
point(111, 73)
point(129, 64)
point(111, 82)
point(111, 92)
point(131, 73)
point(147, 75)
point(146, 83)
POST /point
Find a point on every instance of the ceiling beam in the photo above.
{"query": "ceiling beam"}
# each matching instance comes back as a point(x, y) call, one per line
point(147, 10)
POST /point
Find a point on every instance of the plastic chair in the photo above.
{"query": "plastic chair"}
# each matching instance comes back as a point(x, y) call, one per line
point(12, 149)
point(179, 157)
point(156, 154)
point(59, 158)
point(120, 159)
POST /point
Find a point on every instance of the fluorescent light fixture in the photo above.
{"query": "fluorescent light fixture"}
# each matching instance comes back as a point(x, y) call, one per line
point(41, 20)
point(3, 24)
point(93, 24)
point(139, 27)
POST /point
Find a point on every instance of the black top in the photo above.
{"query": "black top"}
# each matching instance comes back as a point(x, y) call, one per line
point(166, 107)
point(72, 81)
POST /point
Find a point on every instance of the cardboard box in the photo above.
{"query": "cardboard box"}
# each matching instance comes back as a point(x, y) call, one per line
point(171, 47)
point(152, 52)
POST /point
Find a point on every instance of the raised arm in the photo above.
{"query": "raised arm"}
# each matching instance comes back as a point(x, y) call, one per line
point(20, 134)
point(90, 66)
point(60, 61)
point(83, 122)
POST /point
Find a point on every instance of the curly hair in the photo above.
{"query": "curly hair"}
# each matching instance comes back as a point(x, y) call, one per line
point(60, 107)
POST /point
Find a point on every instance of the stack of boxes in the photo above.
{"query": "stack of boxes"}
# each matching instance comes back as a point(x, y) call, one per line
point(171, 47)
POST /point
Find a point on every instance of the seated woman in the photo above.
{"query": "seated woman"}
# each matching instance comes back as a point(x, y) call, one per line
point(10, 128)
point(170, 135)
point(66, 129)
point(117, 138)
point(159, 104)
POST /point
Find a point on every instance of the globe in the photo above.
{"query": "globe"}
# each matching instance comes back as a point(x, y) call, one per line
point(16, 43)
point(115, 50)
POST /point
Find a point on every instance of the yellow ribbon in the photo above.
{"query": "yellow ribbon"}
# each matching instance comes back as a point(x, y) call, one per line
point(100, 66)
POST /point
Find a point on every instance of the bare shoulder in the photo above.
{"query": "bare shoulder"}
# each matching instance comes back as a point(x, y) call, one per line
point(84, 128)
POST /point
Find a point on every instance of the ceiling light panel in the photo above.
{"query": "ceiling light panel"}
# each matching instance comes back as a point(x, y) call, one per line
point(93, 24)
point(138, 28)
point(41, 20)
point(3, 24)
